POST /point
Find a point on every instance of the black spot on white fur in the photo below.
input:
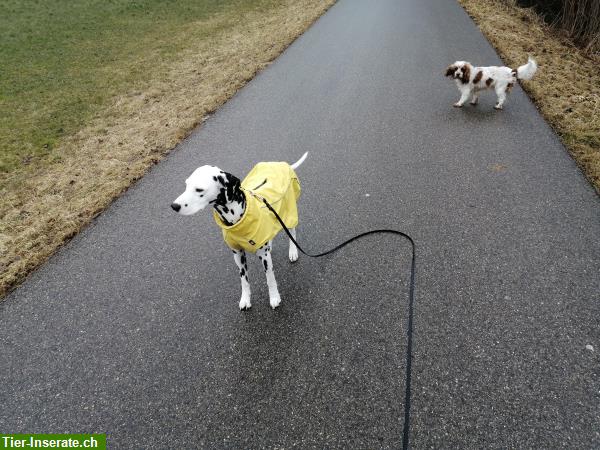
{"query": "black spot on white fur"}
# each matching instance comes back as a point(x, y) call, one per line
point(229, 194)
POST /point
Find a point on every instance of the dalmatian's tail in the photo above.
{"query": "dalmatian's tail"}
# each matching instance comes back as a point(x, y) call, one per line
point(299, 162)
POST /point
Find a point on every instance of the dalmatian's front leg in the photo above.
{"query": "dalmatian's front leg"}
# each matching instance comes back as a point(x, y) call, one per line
point(264, 254)
point(293, 252)
point(240, 260)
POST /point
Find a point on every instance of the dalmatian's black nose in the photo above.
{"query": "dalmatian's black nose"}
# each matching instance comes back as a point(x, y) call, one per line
point(176, 206)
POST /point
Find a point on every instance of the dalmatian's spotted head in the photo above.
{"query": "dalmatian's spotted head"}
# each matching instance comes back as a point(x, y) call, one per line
point(202, 188)
point(209, 185)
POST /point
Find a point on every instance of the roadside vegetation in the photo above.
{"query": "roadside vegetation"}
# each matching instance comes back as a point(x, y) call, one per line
point(566, 88)
point(63, 60)
point(93, 92)
point(580, 19)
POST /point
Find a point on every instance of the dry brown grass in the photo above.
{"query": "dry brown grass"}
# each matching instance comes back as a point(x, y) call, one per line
point(566, 88)
point(43, 205)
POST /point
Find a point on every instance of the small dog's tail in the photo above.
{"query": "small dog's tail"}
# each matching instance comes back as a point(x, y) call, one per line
point(527, 71)
point(300, 161)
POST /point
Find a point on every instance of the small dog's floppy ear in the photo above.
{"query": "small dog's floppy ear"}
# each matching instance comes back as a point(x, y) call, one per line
point(450, 70)
point(466, 76)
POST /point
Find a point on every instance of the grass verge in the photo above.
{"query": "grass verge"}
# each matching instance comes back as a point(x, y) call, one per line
point(78, 133)
point(64, 60)
point(566, 88)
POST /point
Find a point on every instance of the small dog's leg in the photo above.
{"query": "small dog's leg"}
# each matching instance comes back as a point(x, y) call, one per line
point(293, 253)
point(240, 260)
point(264, 254)
point(465, 94)
point(501, 93)
point(474, 98)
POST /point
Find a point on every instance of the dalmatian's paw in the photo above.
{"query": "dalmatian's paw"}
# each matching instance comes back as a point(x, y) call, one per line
point(293, 254)
point(245, 303)
point(275, 301)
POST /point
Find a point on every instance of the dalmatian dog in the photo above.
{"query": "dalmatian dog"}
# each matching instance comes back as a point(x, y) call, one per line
point(211, 186)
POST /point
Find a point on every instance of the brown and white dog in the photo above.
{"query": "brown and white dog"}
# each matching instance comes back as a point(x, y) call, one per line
point(470, 80)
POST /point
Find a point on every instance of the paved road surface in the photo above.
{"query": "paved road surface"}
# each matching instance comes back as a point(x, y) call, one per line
point(133, 329)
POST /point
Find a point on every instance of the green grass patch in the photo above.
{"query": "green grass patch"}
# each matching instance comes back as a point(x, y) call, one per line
point(63, 60)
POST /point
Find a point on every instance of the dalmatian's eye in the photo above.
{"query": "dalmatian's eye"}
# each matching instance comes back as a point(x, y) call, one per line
point(199, 190)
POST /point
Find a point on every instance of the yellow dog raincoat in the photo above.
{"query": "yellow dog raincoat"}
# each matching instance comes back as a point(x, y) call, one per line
point(279, 185)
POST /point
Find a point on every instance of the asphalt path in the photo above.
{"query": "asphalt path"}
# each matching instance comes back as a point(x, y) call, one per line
point(133, 328)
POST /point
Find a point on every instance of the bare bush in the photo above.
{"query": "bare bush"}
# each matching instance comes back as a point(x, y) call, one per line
point(579, 18)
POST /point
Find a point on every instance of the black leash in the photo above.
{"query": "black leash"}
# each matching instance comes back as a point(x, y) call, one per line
point(411, 294)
